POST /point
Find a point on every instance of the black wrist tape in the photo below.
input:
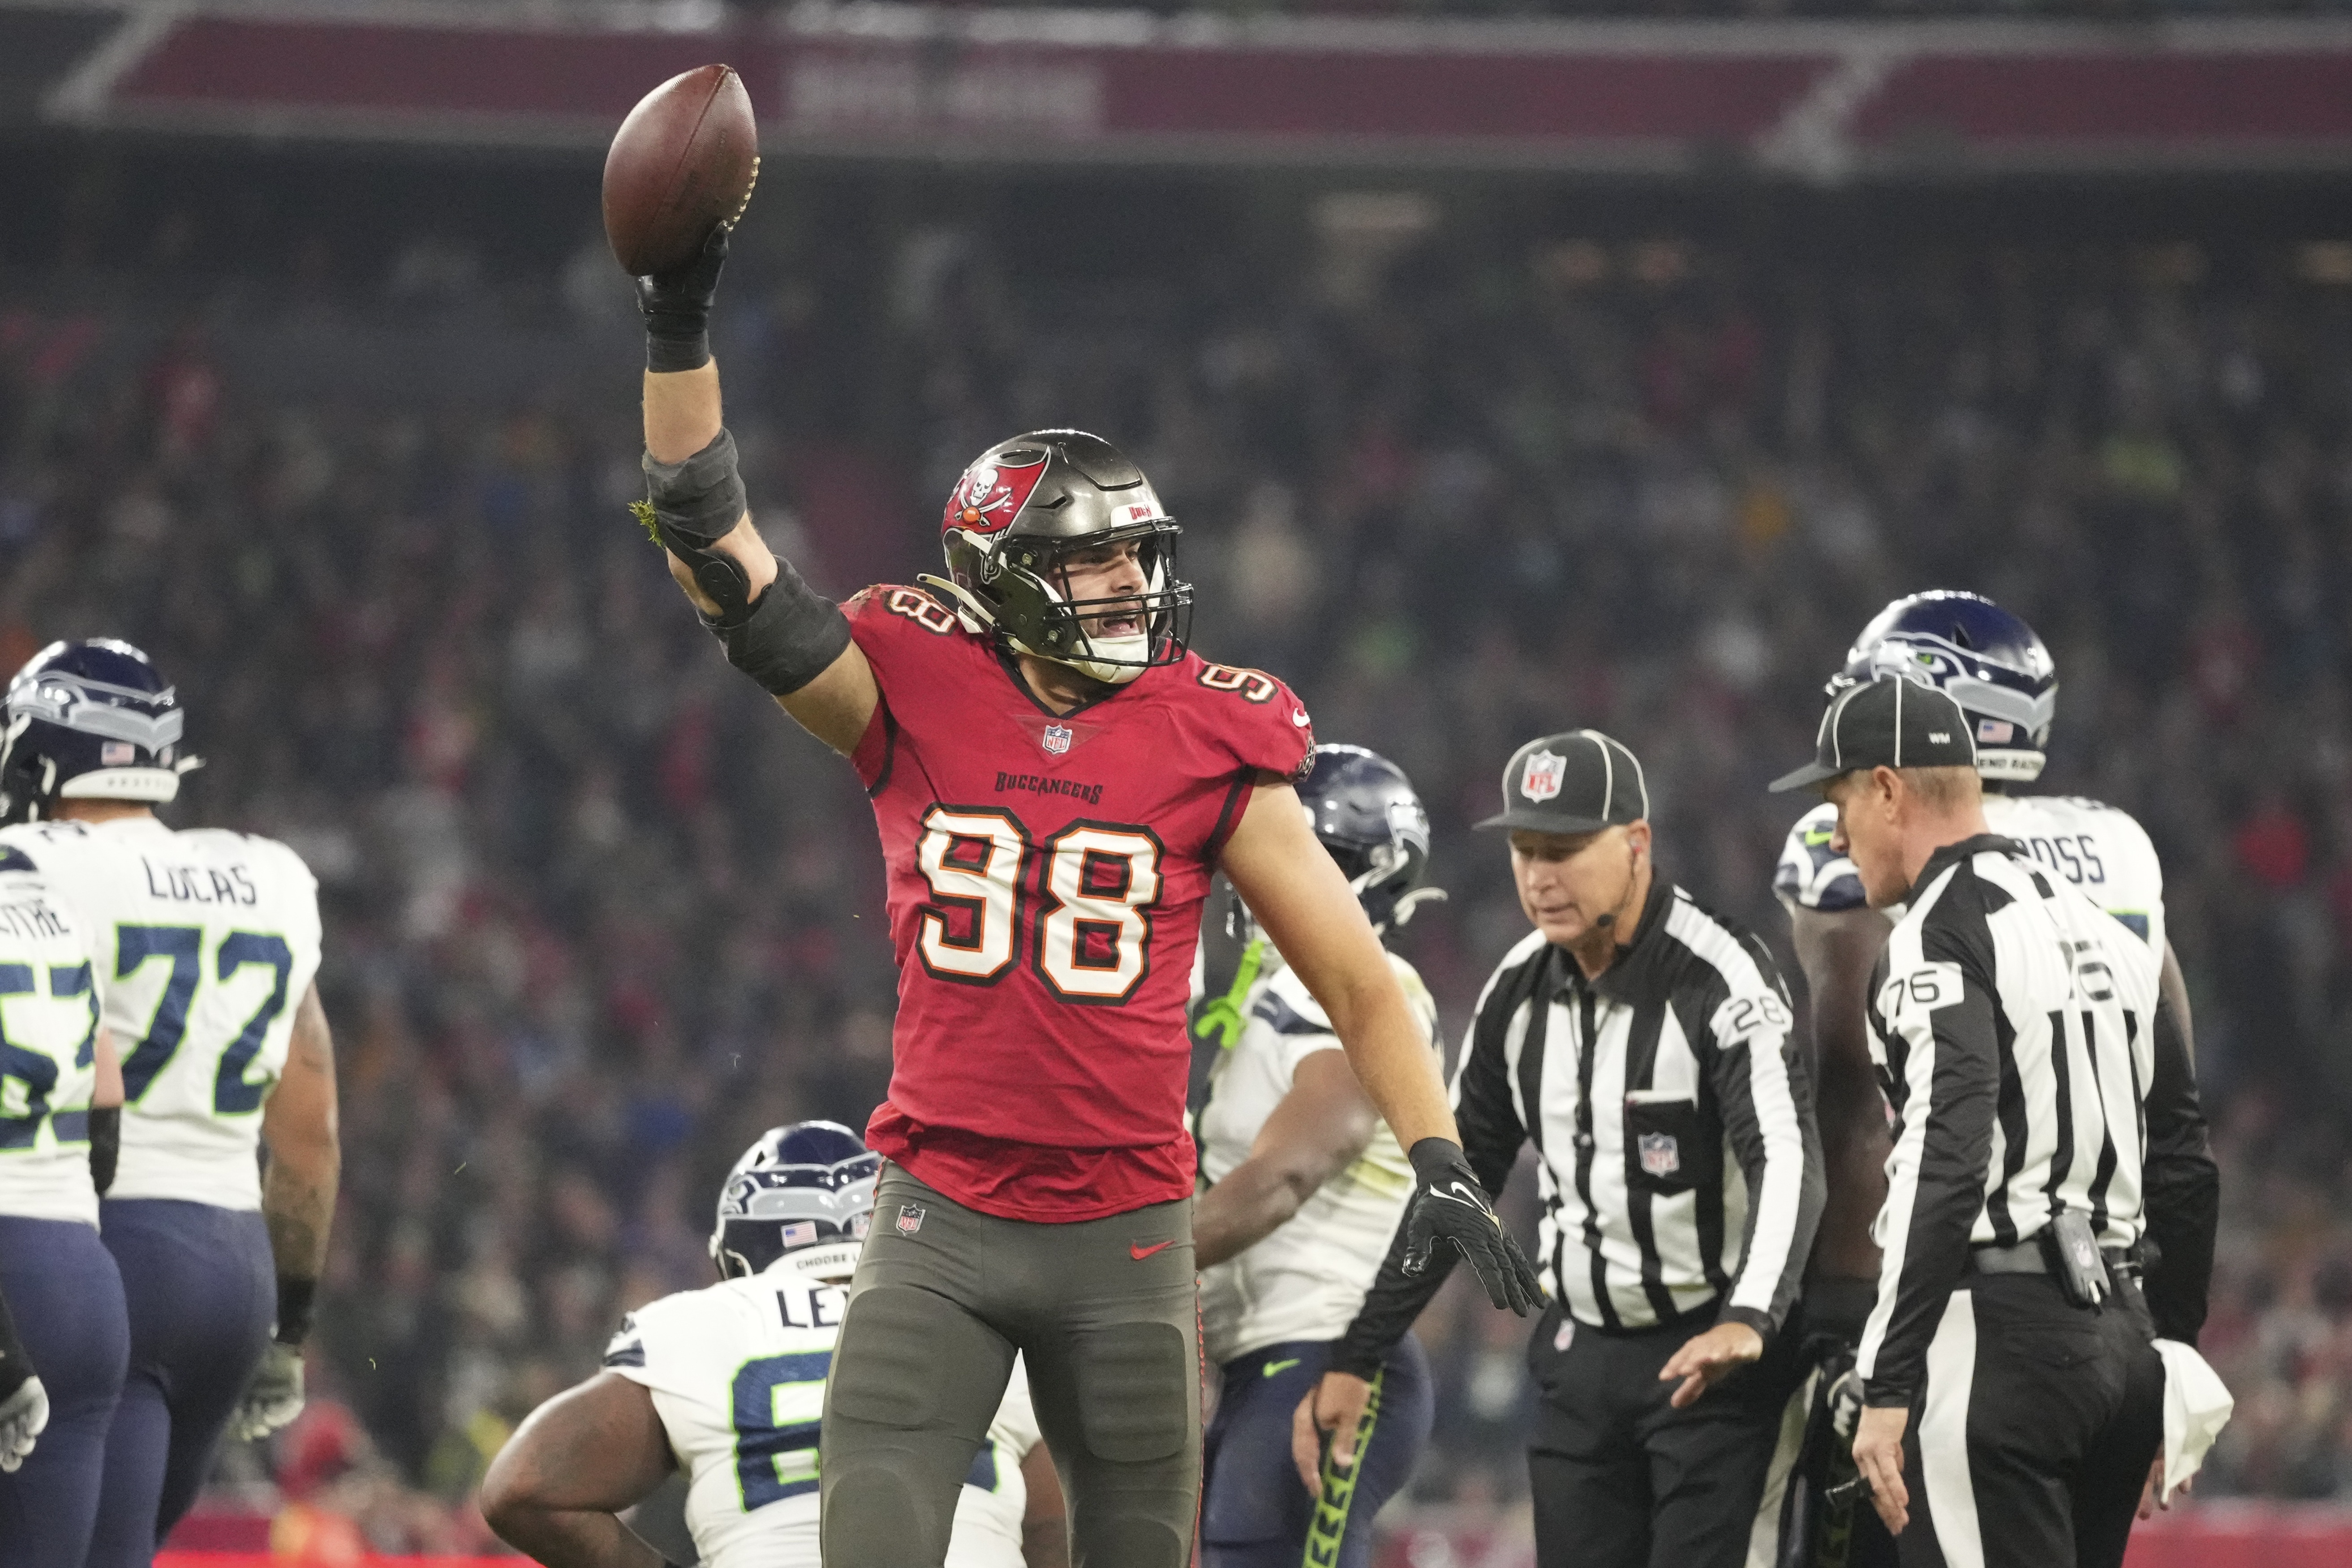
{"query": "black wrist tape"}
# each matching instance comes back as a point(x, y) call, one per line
point(294, 1299)
point(787, 639)
point(677, 341)
point(105, 1146)
point(14, 1367)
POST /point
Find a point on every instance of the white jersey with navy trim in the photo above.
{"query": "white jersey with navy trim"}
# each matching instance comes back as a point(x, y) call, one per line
point(2096, 847)
point(208, 939)
point(1307, 1278)
point(737, 1372)
point(50, 998)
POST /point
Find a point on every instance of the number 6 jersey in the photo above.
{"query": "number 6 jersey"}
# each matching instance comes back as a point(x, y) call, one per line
point(737, 1372)
point(206, 942)
point(1047, 875)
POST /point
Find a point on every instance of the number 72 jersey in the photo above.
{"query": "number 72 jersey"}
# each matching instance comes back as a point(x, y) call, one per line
point(207, 940)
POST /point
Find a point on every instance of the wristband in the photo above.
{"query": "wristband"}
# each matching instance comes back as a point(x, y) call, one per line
point(14, 1368)
point(673, 344)
point(294, 1299)
point(105, 1146)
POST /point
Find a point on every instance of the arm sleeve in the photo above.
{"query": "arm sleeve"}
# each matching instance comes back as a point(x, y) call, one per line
point(1767, 1106)
point(1935, 1177)
point(2183, 1188)
point(1491, 1136)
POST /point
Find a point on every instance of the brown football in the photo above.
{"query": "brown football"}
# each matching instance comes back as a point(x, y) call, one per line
point(683, 162)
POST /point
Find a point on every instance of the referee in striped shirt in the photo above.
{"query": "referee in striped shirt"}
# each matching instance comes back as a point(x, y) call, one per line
point(2046, 1123)
point(1642, 1045)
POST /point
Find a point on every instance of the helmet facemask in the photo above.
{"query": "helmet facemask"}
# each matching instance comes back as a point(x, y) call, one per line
point(1023, 584)
point(1014, 522)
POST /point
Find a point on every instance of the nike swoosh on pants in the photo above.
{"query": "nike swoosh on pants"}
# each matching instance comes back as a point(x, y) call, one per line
point(1138, 1251)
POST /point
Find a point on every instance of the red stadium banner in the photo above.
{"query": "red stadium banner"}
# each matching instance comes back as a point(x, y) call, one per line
point(1808, 98)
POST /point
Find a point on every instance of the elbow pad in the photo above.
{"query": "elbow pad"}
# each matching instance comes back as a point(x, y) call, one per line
point(787, 639)
point(105, 1146)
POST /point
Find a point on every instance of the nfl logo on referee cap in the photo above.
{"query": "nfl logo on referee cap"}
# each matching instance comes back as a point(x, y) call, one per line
point(910, 1218)
point(1541, 778)
point(1661, 1155)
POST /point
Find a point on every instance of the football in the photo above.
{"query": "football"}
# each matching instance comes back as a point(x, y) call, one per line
point(683, 162)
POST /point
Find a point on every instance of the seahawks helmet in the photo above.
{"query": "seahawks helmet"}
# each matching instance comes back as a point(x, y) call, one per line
point(1983, 657)
point(1014, 520)
point(805, 1190)
point(89, 721)
point(1369, 817)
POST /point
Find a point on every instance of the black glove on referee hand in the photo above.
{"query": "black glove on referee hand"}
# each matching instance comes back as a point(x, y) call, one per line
point(677, 307)
point(1449, 1206)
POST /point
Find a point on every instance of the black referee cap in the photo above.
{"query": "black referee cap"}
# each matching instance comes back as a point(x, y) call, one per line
point(1888, 722)
point(1579, 782)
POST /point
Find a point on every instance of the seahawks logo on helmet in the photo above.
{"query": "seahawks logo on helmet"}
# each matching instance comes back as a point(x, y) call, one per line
point(1367, 815)
point(1982, 657)
point(808, 1185)
point(89, 721)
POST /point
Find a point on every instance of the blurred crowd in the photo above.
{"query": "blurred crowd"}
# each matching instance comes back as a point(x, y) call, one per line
point(598, 914)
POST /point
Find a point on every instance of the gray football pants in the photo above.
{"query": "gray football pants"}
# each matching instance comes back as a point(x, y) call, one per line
point(1107, 1313)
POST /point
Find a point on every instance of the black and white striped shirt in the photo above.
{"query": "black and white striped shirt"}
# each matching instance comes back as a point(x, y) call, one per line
point(2014, 1026)
point(1673, 1119)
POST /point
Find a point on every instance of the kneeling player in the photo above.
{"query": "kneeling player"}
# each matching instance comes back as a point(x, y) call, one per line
point(1307, 1184)
point(729, 1382)
point(59, 1085)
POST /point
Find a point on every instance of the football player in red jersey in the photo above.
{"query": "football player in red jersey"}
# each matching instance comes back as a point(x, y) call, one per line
point(1055, 778)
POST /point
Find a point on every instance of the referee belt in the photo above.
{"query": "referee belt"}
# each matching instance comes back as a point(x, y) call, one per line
point(2028, 1257)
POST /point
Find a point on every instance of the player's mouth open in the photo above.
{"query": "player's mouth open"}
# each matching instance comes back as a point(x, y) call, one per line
point(1122, 624)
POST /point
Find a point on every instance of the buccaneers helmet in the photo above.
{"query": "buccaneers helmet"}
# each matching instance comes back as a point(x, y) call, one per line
point(1983, 657)
point(1014, 520)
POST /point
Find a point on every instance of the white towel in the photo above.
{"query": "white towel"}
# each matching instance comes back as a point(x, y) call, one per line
point(2196, 1408)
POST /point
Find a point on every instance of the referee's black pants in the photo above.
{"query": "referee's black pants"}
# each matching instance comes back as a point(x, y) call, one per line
point(1623, 1479)
point(2035, 1429)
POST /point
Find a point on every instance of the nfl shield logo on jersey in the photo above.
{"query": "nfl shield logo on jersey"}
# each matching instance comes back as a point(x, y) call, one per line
point(910, 1218)
point(1660, 1154)
point(1058, 738)
point(1540, 779)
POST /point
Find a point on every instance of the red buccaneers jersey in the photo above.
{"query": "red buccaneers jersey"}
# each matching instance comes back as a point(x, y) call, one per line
point(1047, 878)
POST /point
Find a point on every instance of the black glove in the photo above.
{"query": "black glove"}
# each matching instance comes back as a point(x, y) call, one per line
point(677, 307)
point(1449, 1206)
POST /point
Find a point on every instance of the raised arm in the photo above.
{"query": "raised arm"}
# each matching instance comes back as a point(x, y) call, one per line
point(775, 628)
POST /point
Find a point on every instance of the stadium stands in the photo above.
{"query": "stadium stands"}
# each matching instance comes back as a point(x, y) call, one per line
point(598, 914)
